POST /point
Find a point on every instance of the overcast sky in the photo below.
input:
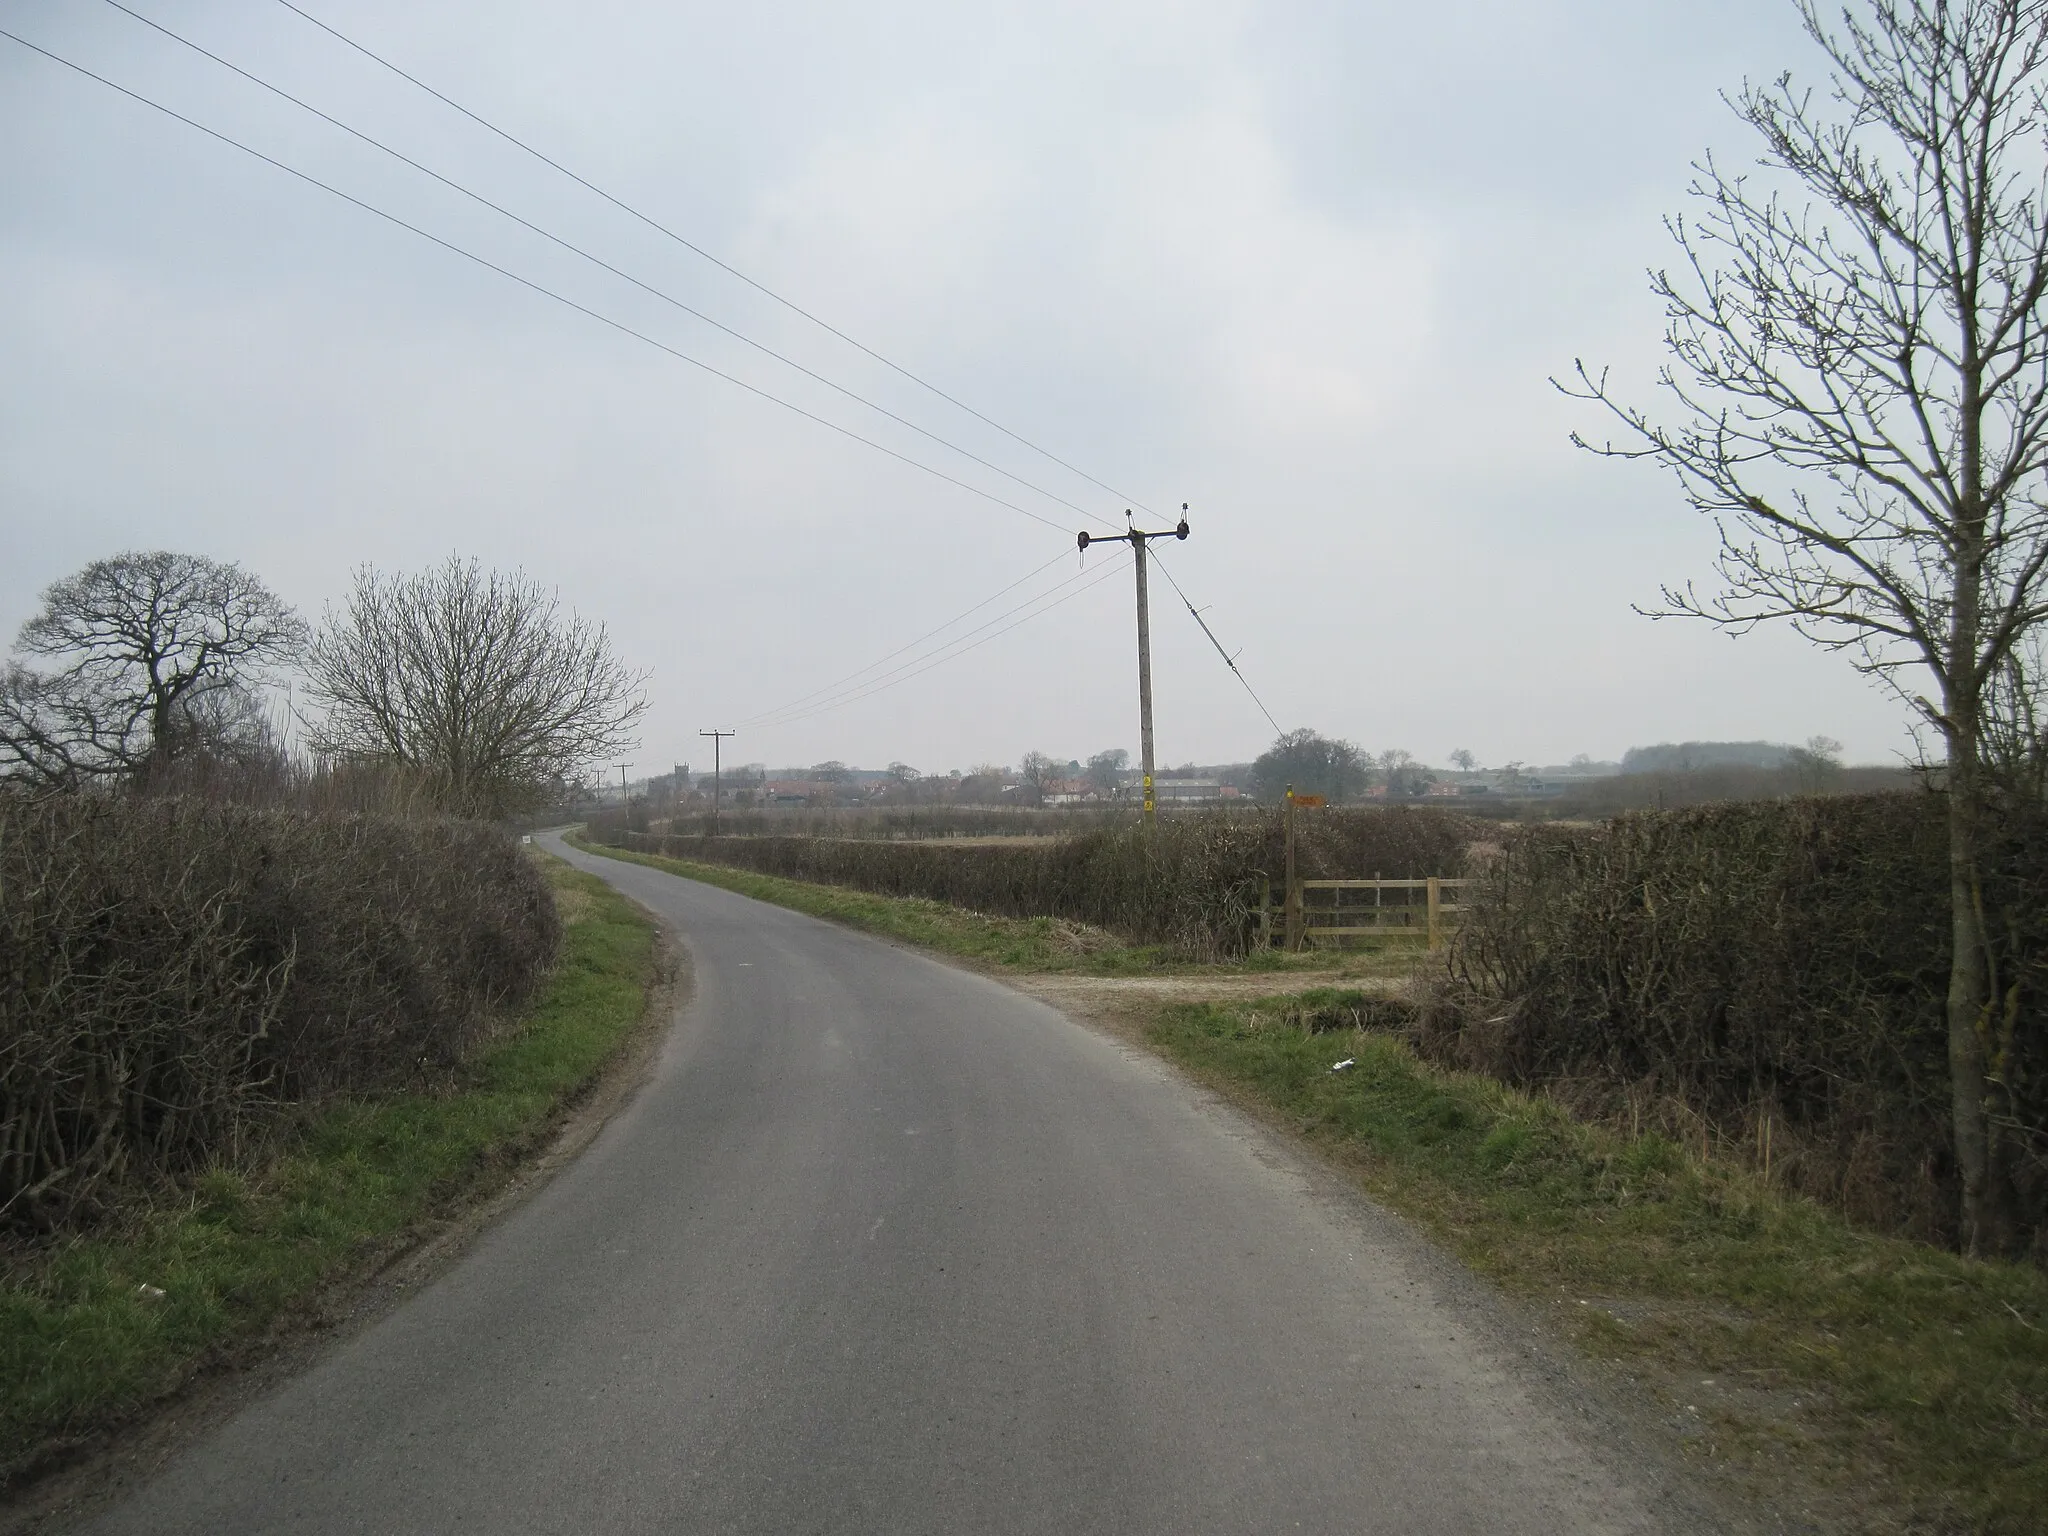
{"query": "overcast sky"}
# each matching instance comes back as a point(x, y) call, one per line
point(1304, 267)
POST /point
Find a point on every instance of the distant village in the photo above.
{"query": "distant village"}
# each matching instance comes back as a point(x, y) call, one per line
point(756, 785)
point(1338, 770)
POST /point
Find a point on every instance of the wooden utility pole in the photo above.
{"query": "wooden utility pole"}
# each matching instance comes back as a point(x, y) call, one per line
point(622, 767)
point(1292, 900)
point(717, 740)
point(1144, 672)
point(1137, 538)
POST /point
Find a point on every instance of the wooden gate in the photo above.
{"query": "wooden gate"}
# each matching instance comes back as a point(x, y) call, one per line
point(1335, 910)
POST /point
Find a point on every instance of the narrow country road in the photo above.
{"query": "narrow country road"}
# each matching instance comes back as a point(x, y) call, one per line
point(883, 1246)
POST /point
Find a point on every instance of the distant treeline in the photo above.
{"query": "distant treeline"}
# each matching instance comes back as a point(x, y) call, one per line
point(1675, 789)
point(911, 822)
point(1689, 756)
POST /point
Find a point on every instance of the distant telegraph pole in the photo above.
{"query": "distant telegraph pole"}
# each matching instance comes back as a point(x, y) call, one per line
point(1137, 539)
point(622, 767)
point(717, 740)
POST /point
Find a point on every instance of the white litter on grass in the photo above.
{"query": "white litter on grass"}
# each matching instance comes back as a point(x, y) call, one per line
point(1348, 1061)
point(149, 1292)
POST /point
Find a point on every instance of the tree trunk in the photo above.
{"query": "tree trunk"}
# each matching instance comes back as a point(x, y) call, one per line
point(1969, 979)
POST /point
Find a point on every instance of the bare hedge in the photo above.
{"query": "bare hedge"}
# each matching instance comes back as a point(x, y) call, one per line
point(171, 970)
point(1769, 976)
point(1192, 881)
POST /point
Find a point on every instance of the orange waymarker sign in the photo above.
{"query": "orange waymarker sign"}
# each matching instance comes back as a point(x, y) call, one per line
point(1310, 801)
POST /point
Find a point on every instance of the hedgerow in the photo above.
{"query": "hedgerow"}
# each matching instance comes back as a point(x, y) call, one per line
point(173, 970)
point(1767, 977)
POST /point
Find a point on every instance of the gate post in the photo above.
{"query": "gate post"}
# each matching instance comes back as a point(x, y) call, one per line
point(1294, 917)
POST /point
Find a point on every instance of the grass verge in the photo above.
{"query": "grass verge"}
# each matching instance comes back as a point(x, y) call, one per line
point(97, 1328)
point(1779, 1330)
point(1034, 944)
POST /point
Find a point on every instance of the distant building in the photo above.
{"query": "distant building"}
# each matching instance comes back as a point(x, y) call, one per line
point(1069, 792)
point(799, 792)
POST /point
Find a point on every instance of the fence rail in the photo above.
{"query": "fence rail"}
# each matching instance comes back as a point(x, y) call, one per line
point(1336, 918)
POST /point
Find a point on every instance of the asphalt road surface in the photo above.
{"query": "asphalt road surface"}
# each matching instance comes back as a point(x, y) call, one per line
point(884, 1246)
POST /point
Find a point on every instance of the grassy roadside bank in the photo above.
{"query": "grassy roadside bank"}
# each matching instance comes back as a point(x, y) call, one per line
point(1910, 1385)
point(1039, 945)
point(97, 1328)
point(1917, 1381)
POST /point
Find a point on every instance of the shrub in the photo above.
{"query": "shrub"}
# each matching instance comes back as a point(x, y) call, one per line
point(172, 969)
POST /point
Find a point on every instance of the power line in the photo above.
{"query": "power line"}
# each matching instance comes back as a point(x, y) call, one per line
point(950, 651)
point(698, 250)
point(1229, 660)
point(840, 694)
point(577, 250)
point(940, 660)
point(912, 644)
point(526, 282)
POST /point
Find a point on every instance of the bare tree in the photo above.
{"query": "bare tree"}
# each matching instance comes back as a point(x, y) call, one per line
point(1817, 764)
point(1463, 760)
point(1036, 772)
point(478, 681)
point(1403, 774)
point(1860, 363)
point(983, 784)
point(1313, 764)
point(156, 655)
point(1106, 770)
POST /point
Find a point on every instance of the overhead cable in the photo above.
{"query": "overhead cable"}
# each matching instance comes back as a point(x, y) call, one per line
point(1229, 660)
point(850, 677)
point(724, 266)
point(953, 649)
point(526, 282)
point(951, 655)
point(837, 696)
point(577, 250)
